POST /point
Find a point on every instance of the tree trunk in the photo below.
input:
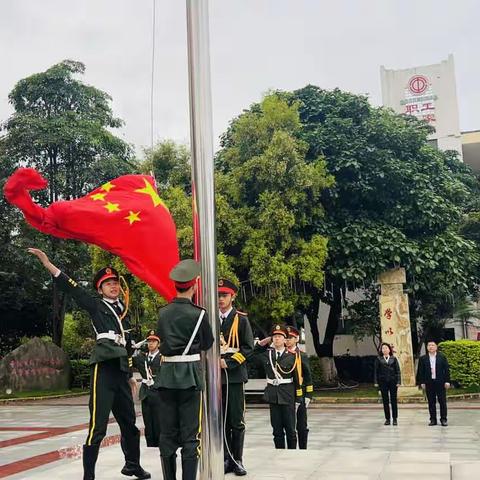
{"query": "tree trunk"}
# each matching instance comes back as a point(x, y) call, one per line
point(59, 302)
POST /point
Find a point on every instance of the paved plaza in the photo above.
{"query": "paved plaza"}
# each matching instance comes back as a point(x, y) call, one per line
point(43, 441)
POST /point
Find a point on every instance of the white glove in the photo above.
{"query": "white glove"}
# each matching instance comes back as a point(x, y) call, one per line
point(307, 402)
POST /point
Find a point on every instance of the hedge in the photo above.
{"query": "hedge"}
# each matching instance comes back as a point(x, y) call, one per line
point(80, 373)
point(464, 359)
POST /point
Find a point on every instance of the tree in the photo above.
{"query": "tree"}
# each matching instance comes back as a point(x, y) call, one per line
point(396, 201)
point(268, 199)
point(62, 127)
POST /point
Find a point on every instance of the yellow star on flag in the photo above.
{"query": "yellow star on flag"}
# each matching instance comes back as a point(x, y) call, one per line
point(98, 196)
point(133, 217)
point(112, 207)
point(107, 186)
point(149, 190)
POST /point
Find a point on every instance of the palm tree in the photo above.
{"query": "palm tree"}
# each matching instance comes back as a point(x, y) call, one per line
point(464, 311)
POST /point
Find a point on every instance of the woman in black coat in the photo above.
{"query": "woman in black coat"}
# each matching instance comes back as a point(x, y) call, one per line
point(387, 377)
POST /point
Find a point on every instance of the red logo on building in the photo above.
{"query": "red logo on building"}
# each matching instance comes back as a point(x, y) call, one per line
point(418, 84)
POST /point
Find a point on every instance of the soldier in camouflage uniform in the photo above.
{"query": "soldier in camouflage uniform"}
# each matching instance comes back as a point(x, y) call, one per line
point(111, 364)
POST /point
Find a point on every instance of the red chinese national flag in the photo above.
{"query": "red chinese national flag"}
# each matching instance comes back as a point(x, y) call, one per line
point(124, 216)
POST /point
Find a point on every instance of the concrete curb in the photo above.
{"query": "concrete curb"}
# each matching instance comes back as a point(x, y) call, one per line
point(4, 401)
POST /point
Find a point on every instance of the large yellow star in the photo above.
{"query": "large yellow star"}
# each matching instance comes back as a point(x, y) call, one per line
point(112, 207)
point(98, 196)
point(133, 217)
point(107, 186)
point(149, 190)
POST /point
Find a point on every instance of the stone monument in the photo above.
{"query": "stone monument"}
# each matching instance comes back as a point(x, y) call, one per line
point(36, 365)
point(395, 325)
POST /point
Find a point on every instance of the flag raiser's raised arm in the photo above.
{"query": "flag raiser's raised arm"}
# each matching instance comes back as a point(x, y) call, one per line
point(42, 256)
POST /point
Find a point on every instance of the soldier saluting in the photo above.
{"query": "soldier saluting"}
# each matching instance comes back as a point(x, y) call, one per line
point(283, 390)
point(305, 379)
point(185, 332)
point(236, 347)
point(111, 381)
point(148, 364)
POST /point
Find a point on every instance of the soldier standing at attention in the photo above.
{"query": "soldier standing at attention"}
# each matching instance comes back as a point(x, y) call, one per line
point(111, 381)
point(148, 364)
point(305, 379)
point(236, 347)
point(185, 332)
point(283, 391)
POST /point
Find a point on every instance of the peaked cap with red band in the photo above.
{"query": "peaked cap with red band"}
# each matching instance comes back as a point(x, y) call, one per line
point(103, 275)
point(226, 286)
point(185, 273)
point(293, 332)
point(279, 330)
point(153, 336)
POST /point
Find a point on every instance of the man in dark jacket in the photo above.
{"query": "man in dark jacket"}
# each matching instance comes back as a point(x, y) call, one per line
point(185, 332)
point(236, 347)
point(433, 376)
point(111, 381)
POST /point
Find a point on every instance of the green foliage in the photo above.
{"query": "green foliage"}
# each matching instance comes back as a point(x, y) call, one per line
point(63, 128)
point(396, 201)
point(268, 197)
point(77, 335)
point(80, 373)
point(464, 359)
point(316, 369)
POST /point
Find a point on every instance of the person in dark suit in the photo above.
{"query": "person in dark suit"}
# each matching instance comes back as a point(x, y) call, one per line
point(433, 376)
point(388, 378)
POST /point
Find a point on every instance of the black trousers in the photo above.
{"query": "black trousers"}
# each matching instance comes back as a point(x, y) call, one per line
point(234, 417)
point(389, 389)
point(181, 417)
point(111, 392)
point(282, 418)
point(151, 412)
point(436, 390)
point(302, 426)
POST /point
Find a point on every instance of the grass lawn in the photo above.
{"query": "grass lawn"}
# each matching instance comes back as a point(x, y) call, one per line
point(39, 393)
point(369, 391)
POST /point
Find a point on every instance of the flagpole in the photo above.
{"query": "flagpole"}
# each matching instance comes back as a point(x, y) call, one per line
point(211, 464)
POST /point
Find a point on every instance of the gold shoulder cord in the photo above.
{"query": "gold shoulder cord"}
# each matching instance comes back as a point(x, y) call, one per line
point(233, 340)
point(126, 296)
point(277, 365)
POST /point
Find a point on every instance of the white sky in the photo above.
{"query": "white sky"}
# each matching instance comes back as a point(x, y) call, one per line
point(256, 45)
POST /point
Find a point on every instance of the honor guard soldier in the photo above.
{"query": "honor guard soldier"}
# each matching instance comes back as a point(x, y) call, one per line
point(185, 332)
point(111, 381)
point(236, 346)
point(305, 379)
point(283, 391)
point(148, 364)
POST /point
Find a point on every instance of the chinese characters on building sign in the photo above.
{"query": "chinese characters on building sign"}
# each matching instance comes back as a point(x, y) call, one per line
point(419, 99)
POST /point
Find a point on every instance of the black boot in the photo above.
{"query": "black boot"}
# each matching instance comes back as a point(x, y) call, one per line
point(303, 439)
point(279, 442)
point(238, 439)
point(169, 467)
point(131, 450)
point(227, 464)
point(292, 442)
point(90, 455)
point(189, 468)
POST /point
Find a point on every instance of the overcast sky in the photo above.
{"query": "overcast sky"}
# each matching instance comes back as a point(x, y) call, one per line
point(256, 45)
